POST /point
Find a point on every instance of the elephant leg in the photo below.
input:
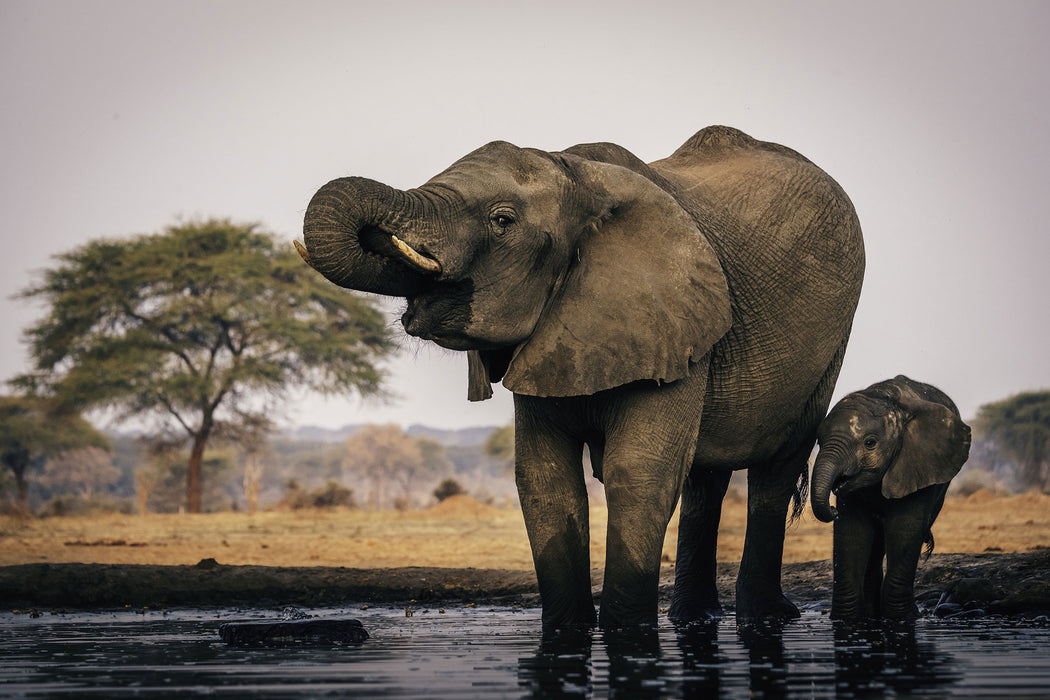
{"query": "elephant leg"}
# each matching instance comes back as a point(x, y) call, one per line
point(907, 521)
point(874, 574)
point(770, 488)
point(650, 440)
point(769, 491)
point(695, 593)
point(853, 556)
point(549, 476)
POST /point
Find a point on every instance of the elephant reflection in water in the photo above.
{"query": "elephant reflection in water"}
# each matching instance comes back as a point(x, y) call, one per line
point(768, 667)
point(567, 663)
point(563, 665)
point(878, 659)
point(874, 658)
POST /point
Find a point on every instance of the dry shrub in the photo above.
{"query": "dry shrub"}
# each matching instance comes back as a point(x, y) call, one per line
point(447, 489)
point(331, 495)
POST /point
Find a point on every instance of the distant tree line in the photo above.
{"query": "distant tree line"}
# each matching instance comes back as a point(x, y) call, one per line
point(378, 467)
point(1011, 446)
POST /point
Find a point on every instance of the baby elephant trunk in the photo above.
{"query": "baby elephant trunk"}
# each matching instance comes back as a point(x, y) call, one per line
point(826, 471)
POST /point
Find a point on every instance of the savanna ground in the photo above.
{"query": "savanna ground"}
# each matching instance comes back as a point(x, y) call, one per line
point(459, 549)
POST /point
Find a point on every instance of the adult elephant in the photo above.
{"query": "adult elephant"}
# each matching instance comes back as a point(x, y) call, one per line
point(681, 319)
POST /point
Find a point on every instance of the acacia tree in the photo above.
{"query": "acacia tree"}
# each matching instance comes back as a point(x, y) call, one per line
point(1020, 427)
point(33, 430)
point(202, 328)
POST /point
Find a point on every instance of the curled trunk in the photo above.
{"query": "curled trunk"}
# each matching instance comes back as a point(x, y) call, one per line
point(826, 471)
point(354, 234)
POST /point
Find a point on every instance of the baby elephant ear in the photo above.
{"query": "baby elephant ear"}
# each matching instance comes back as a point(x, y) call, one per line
point(644, 296)
point(935, 445)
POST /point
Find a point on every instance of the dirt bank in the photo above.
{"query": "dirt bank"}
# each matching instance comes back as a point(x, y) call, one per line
point(994, 583)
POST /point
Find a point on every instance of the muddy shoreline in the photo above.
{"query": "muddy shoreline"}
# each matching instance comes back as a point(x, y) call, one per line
point(1014, 584)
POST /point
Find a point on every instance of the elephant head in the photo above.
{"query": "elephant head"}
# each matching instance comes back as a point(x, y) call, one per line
point(902, 433)
point(564, 274)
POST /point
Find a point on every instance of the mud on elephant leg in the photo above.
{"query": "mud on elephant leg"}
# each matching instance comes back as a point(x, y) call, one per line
point(695, 595)
point(554, 504)
point(632, 565)
point(644, 468)
point(770, 489)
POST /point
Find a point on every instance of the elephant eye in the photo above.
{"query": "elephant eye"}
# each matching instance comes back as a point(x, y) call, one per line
point(502, 218)
point(870, 443)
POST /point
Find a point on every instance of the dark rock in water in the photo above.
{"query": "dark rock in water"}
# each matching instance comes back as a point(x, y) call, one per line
point(286, 632)
point(978, 590)
point(1031, 596)
point(966, 614)
point(946, 609)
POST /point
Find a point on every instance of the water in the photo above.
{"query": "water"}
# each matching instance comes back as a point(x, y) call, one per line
point(498, 652)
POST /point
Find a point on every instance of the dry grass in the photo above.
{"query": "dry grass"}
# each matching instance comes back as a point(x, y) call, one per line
point(459, 533)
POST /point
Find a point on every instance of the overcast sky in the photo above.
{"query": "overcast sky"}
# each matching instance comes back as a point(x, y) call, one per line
point(125, 117)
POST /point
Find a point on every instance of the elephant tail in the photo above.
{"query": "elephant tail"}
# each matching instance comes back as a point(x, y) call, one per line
point(927, 549)
point(801, 495)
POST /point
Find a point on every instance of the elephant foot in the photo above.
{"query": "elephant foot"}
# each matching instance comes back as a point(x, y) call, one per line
point(769, 604)
point(906, 612)
point(684, 614)
point(568, 619)
point(611, 619)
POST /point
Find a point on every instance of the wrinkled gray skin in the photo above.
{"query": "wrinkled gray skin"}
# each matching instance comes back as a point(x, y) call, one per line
point(681, 319)
point(888, 452)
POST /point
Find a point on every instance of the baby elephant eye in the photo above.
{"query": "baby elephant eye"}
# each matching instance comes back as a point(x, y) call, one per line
point(870, 443)
point(502, 220)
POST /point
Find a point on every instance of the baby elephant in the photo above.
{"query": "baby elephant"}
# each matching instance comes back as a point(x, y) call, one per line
point(888, 453)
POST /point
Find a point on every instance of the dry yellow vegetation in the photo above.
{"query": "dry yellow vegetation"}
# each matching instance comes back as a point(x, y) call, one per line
point(458, 533)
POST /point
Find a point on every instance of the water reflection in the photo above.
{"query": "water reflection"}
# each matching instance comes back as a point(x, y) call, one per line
point(635, 668)
point(629, 663)
point(560, 666)
point(877, 658)
point(500, 653)
point(768, 666)
point(783, 659)
point(701, 660)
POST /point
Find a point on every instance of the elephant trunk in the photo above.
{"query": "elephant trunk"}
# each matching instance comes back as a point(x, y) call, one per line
point(827, 469)
point(351, 230)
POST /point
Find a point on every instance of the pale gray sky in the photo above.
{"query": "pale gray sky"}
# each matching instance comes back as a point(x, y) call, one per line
point(120, 117)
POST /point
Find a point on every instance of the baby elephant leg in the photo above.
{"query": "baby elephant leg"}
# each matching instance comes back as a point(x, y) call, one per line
point(857, 546)
point(907, 522)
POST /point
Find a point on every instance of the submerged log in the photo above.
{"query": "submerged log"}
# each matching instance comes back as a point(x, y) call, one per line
point(287, 632)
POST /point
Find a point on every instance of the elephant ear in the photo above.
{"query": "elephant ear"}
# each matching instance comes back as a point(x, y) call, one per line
point(935, 445)
point(644, 296)
point(483, 368)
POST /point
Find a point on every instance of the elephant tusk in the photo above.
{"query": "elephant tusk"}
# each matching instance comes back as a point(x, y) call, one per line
point(418, 261)
point(303, 253)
